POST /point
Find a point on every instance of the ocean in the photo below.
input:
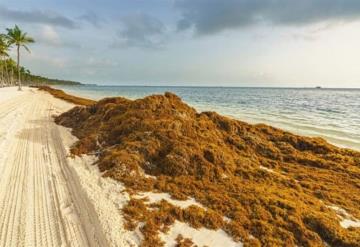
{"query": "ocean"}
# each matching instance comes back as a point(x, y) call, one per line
point(333, 114)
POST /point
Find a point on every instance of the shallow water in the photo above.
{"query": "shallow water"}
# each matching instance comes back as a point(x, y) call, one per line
point(333, 114)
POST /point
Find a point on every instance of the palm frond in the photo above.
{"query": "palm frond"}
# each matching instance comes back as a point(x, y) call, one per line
point(29, 40)
point(18, 37)
point(26, 48)
point(3, 53)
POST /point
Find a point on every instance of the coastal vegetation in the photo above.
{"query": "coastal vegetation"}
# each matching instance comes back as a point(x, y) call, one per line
point(11, 71)
point(261, 185)
point(15, 36)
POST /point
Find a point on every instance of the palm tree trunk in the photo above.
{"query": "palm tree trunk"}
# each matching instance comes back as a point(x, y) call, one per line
point(2, 73)
point(12, 75)
point(18, 66)
point(7, 73)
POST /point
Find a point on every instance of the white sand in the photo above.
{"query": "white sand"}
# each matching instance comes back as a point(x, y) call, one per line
point(282, 174)
point(200, 237)
point(46, 198)
point(153, 197)
point(267, 169)
point(346, 219)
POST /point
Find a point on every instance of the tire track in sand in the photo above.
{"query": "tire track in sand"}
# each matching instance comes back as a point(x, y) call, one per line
point(41, 203)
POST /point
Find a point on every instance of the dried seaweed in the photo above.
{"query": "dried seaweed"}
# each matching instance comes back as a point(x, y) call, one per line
point(272, 185)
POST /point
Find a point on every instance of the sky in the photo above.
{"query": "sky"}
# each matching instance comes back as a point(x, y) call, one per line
point(275, 43)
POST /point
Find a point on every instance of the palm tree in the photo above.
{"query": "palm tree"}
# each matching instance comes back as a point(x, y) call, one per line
point(19, 39)
point(3, 54)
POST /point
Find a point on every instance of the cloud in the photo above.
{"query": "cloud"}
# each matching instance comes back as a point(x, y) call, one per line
point(36, 16)
point(42, 57)
point(50, 37)
point(140, 30)
point(212, 16)
point(311, 33)
point(97, 62)
point(91, 18)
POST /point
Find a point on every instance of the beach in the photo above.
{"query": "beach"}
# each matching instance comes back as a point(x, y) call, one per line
point(183, 123)
point(54, 191)
point(47, 198)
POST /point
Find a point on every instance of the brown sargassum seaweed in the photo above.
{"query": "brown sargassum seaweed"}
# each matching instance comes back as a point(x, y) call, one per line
point(64, 96)
point(221, 162)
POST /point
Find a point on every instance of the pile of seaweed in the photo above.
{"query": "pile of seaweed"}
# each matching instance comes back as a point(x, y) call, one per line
point(261, 185)
point(64, 96)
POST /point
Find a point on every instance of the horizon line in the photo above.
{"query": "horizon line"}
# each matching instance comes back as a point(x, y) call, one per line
point(209, 86)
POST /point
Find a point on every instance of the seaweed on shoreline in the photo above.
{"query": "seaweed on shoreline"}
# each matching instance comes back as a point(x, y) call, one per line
point(272, 185)
point(57, 93)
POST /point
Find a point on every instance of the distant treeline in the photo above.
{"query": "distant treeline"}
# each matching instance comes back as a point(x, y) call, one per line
point(9, 72)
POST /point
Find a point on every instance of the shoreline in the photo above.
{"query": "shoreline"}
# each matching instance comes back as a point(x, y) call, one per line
point(243, 168)
point(290, 127)
point(337, 130)
point(199, 86)
point(148, 145)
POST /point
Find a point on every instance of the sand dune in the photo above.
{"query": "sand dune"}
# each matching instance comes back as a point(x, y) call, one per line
point(46, 198)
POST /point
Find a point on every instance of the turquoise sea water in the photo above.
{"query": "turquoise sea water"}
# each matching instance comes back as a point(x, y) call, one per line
point(333, 114)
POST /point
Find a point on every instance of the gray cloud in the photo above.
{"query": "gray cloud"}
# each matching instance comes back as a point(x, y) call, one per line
point(140, 30)
point(60, 44)
point(211, 16)
point(91, 18)
point(36, 16)
point(49, 36)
